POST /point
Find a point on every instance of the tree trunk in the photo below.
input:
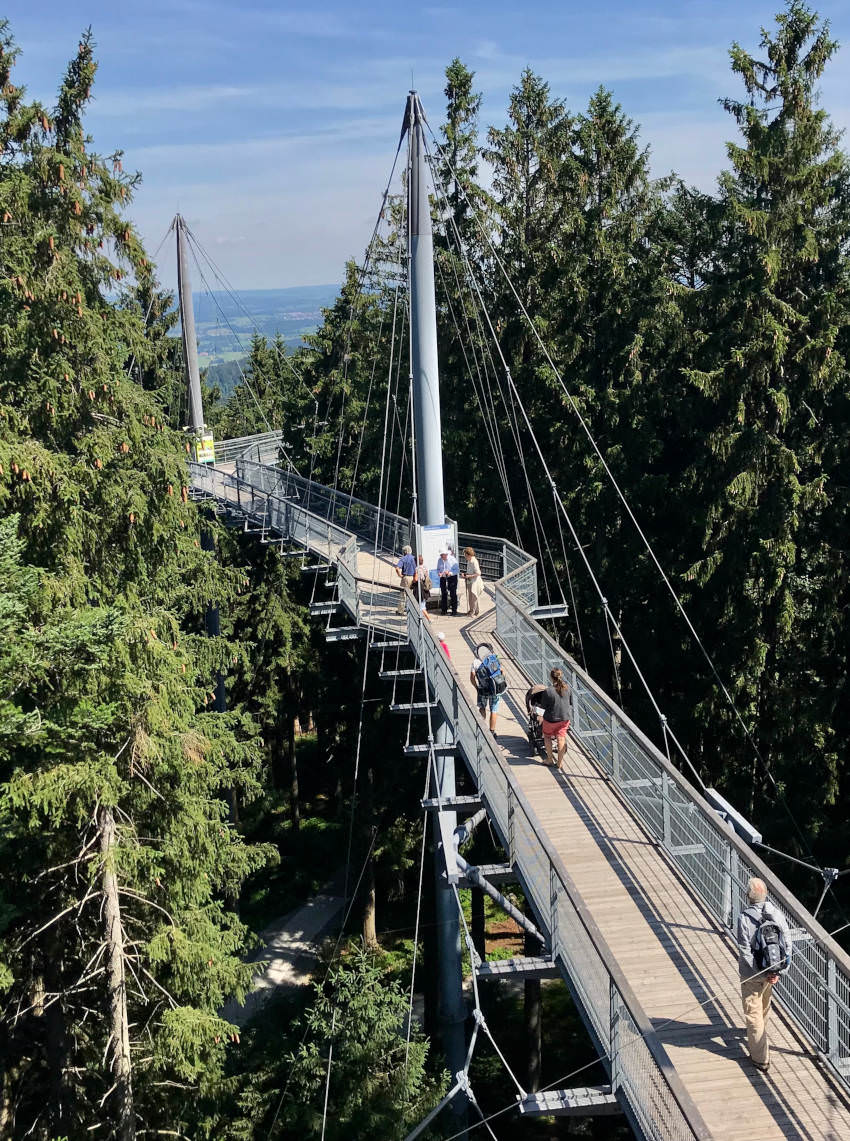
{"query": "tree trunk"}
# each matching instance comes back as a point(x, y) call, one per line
point(56, 1041)
point(118, 1049)
point(294, 799)
point(533, 1020)
point(370, 933)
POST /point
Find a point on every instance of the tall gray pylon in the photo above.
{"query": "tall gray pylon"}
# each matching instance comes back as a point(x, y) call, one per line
point(187, 326)
point(431, 511)
point(423, 325)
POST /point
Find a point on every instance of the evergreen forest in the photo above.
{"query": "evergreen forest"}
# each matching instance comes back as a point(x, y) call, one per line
point(170, 787)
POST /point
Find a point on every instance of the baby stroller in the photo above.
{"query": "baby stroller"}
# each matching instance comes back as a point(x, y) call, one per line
point(535, 720)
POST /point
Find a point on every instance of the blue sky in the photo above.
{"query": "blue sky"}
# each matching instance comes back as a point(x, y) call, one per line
point(272, 126)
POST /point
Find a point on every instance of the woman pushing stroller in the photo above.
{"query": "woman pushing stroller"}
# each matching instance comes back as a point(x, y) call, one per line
point(555, 703)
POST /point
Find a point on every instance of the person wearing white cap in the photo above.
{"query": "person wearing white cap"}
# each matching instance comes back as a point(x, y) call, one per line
point(441, 638)
point(447, 572)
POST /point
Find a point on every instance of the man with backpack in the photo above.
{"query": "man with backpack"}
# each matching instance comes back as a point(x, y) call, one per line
point(764, 953)
point(487, 677)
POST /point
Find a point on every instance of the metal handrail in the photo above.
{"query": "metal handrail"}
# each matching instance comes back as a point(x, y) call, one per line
point(386, 530)
point(265, 444)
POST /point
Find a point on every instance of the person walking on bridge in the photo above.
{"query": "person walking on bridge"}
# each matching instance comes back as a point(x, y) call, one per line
point(555, 703)
point(763, 954)
point(405, 568)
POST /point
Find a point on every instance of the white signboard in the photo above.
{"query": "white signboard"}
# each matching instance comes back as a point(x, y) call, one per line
point(431, 541)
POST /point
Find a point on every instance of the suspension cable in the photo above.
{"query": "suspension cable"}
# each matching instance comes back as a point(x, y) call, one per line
point(614, 483)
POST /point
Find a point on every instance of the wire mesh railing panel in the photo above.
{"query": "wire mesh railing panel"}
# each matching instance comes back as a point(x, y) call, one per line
point(530, 855)
point(838, 1018)
point(265, 446)
point(804, 990)
point(585, 966)
point(592, 723)
point(346, 562)
point(523, 584)
point(384, 530)
point(640, 781)
point(637, 1073)
point(489, 552)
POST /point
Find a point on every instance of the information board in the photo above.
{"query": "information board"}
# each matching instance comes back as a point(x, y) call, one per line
point(204, 448)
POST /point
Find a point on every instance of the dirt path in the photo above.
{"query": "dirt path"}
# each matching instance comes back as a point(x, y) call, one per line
point(288, 956)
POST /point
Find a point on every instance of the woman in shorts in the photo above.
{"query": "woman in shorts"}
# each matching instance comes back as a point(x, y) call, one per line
point(555, 703)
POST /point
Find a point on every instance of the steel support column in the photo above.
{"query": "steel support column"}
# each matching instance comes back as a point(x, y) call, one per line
point(187, 326)
point(431, 511)
point(451, 1008)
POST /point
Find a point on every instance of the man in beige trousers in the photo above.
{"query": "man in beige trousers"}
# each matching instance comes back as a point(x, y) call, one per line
point(756, 983)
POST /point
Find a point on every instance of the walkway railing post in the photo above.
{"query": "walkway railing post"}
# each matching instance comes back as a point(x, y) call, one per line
point(511, 836)
point(665, 809)
point(731, 872)
point(833, 1048)
point(615, 750)
point(553, 911)
point(614, 1035)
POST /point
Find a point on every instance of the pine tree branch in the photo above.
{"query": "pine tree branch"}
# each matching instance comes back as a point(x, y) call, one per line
point(81, 859)
point(171, 999)
point(45, 926)
point(144, 899)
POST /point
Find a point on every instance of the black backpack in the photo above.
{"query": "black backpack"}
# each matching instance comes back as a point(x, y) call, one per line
point(489, 675)
point(770, 946)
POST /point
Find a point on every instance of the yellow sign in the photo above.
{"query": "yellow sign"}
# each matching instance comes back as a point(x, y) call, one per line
point(204, 449)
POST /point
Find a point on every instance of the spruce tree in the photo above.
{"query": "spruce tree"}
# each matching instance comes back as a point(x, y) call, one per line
point(118, 948)
point(775, 302)
point(457, 167)
point(379, 1087)
point(613, 318)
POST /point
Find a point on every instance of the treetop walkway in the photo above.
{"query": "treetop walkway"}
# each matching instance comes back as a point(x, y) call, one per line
point(634, 878)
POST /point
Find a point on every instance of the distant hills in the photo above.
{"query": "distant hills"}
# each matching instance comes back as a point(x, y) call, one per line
point(225, 322)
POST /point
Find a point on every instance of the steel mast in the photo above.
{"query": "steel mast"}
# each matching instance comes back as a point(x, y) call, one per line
point(432, 514)
point(202, 445)
point(423, 326)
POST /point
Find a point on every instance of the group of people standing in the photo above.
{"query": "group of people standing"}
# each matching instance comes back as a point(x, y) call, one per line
point(416, 576)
